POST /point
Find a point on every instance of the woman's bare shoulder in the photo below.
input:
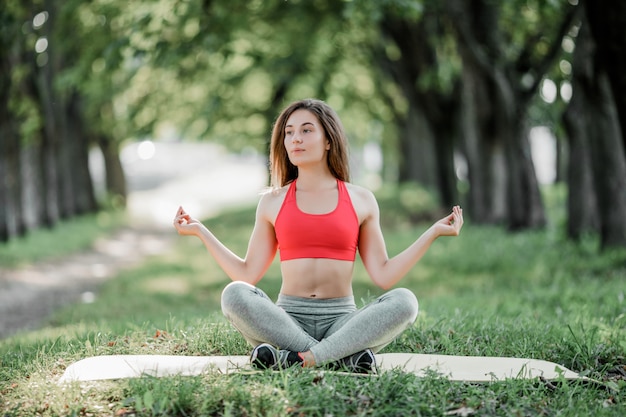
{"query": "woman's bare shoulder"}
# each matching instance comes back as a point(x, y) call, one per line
point(271, 200)
point(363, 201)
point(272, 193)
point(360, 192)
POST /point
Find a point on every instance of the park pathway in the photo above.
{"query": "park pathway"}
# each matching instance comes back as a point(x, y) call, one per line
point(203, 178)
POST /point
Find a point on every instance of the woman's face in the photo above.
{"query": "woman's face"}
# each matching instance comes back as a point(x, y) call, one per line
point(305, 139)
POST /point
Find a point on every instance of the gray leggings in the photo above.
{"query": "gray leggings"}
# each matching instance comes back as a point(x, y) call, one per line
point(330, 328)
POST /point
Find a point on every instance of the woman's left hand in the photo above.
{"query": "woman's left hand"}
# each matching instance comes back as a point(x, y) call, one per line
point(451, 224)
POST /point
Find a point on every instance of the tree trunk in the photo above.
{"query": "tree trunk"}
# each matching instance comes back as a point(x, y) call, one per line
point(480, 154)
point(582, 202)
point(609, 164)
point(50, 187)
point(417, 162)
point(607, 20)
point(85, 201)
point(114, 172)
point(13, 186)
point(53, 161)
point(5, 201)
point(427, 130)
point(56, 104)
point(444, 143)
point(582, 205)
point(11, 51)
point(6, 131)
point(32, 186)
point(524, 203)
point(592, 109)
point(495, 109)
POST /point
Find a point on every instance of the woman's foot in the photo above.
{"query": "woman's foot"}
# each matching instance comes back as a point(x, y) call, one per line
point(363, 362)
point(266, 356)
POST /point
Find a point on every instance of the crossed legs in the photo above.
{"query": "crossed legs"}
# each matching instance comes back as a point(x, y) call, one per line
point(373, 327)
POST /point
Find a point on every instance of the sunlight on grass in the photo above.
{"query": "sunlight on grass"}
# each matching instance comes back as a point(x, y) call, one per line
point(167, 285)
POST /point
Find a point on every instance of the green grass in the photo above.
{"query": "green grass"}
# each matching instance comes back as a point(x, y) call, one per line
point(74, 234)
point(531, 294)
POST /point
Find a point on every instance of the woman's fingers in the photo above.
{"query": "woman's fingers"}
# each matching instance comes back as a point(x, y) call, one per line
point(458, 217)
point(181, 217)
point(455, 220)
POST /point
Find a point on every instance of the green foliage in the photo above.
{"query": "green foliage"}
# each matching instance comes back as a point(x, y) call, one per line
point(206, 69)
point(222, 70)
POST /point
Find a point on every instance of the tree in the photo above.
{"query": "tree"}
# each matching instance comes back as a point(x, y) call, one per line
point(8, 129)
point(500, 79)
point(21, 126)
point(607, 23)
point(427, 80)
point(429, 128)
point(45, 141)
point(597, 172)
point(97, 77)
point(63, 117)
point(469, 72)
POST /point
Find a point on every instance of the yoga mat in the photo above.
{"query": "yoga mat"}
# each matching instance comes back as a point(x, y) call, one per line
point(455, 368)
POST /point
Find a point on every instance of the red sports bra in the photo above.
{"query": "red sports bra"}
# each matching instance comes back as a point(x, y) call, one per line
point(333, 235)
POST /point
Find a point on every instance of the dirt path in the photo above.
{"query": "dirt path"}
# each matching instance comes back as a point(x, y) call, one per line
point(29, 295)
point(201, 177)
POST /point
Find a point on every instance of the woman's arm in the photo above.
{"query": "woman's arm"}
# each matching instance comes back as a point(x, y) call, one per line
point(261, 247)
point(387, 272)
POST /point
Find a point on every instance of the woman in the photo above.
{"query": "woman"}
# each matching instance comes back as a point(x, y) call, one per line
point(317, 220)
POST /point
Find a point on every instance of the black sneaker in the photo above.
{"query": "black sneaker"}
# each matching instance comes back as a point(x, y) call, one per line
point(363, 362)
point(266, 356)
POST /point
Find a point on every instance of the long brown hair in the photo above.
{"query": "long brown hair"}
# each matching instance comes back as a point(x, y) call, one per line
point(282, 170)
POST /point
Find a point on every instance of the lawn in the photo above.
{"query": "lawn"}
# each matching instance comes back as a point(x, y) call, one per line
point(492, 293)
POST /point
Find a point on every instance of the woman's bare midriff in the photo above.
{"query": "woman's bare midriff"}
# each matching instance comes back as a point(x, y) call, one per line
point(317, 278)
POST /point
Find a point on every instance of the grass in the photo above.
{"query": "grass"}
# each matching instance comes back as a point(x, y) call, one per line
point(75, 234)
point(531, 294)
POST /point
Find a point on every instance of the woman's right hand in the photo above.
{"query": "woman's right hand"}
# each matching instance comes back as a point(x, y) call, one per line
point(185, 224)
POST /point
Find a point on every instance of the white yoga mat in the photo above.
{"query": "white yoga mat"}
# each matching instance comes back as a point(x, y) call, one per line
point(456, 368)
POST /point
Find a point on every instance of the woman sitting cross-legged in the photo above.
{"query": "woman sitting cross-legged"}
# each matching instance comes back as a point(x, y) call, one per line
point(317, 220)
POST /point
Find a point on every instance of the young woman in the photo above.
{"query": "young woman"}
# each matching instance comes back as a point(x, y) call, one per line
point(317, 220)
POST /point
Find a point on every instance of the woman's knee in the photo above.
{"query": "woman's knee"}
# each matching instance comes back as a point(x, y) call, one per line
point(234, 295)
point(406, 302)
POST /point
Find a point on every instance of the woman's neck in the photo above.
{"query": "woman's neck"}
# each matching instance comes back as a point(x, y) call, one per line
point(315, 180)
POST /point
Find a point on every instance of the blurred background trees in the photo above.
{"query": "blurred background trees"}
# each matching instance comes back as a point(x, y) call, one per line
point(448, 91)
